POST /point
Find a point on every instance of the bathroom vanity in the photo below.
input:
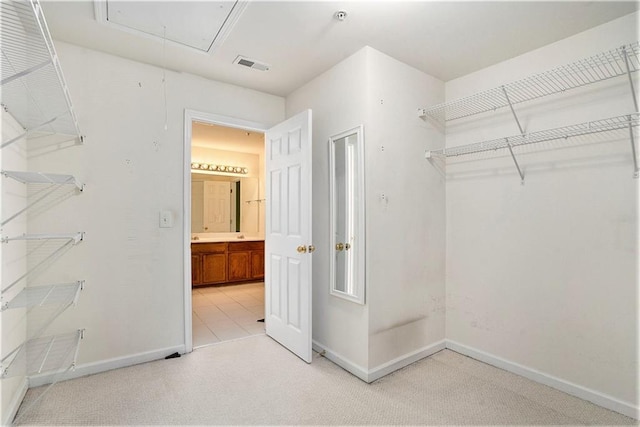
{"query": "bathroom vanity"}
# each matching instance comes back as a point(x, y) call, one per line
point(220, 262)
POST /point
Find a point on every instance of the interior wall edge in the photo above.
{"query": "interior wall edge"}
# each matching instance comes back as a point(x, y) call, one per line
point(13, 407)
point(341, 361)
point(600, 399)
point(107, 365)
point(405, 360)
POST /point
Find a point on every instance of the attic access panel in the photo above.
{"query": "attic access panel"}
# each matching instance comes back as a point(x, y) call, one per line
point(201, 25)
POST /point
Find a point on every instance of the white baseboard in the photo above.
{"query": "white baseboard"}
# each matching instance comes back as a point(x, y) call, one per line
point(12, 410)
point(592, 396)
point(370, 375)
point(405, 360)
point(105, 365)
point(343, 362)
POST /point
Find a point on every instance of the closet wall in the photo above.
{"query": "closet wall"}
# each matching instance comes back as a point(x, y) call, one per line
point(543, 276)
point(132, 307)
point(13, 198)
point(403, 318)
point(337, 98)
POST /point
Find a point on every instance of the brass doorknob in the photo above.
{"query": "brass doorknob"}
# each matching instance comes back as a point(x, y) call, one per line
point(302, 249)
point(339, 246)
point(311, 248)
point(347, 246)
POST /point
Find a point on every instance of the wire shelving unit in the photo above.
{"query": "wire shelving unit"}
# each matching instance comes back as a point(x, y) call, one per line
point(618, 123)
point(34, 90)
point(64, 294)
point(41, 355)
point(54, 181)
point(622, 61)
point(603, 66)
point(73, 238)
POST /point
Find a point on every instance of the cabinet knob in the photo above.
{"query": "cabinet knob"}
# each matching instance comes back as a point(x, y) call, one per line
point(339, 246)
point(302, 249)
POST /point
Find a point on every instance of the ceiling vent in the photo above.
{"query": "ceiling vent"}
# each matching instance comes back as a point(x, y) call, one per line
point(251, 63)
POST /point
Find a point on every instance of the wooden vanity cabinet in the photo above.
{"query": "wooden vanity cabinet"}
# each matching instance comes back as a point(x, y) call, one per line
point(246, 261)
point(208, 263)
point(226, 262)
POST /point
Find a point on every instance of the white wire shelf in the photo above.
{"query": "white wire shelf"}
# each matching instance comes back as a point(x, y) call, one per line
point(43, 178)
point(62, 294)
point(41, 355)
point(603, 66)
point(44, 304)
point(52, 180)
point(75, 238)
point(33, 87)
point(625, 123)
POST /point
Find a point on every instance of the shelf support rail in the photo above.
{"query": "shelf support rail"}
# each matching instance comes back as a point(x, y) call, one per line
point(515, 160)
point(636, 170)
point(633, 92)
point(54, 255)
point(28, 131)
point(25, 72)
point(513, 111)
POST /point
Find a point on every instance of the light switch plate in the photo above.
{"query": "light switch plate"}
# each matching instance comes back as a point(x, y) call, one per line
point(166, 219)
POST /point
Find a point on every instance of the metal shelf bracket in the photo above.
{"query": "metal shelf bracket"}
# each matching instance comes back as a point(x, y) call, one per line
point(636, 170)
point(513, 111)
point(515, 161)
point(625, 55)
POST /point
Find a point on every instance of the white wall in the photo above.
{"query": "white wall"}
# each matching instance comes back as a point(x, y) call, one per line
point(404, 310)
point(544, 275)
point(406, 226)
point(133, 303)
point(13, 198)
point(337, 98)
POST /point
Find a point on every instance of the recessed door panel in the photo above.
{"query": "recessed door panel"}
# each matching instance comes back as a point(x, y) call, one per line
point(294, 211)
point(288, 235)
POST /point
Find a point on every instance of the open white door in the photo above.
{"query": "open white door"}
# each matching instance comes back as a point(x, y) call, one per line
point(288, 234)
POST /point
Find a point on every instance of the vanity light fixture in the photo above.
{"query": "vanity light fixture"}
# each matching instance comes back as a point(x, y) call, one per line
point(196, 166)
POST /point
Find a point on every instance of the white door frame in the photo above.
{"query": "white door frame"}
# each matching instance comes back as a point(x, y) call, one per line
point(189, 117)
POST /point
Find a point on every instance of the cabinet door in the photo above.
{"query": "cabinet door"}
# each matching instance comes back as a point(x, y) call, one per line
point(196, 270)
point(257, 264)
point(214, 268)
point(239, 266)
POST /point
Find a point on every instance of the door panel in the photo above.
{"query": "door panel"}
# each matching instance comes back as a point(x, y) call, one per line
point(217, 206)
point(288, 234)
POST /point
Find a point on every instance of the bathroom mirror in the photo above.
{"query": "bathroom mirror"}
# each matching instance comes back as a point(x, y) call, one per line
point(224, 204)
point(346, 175)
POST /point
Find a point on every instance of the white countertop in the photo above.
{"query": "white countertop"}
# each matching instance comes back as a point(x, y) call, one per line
point(227, 239)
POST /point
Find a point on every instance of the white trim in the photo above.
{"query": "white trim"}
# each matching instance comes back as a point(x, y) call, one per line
point(13, 407)
point(341, 361)
point(382, 370)
point(576, 390)
point(105, 365)
point(405, 360)
point(189, 117)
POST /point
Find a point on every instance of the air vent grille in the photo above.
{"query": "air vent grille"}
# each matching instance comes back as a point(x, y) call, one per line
point(251, 63)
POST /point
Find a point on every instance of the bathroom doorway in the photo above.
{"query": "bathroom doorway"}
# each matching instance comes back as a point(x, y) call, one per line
point(226, 224)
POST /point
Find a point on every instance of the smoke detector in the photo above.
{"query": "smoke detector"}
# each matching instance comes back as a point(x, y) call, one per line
point(340, 15)
point(251, 63)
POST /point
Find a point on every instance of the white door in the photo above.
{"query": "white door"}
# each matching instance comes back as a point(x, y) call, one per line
point(216, 206)
point(288, 234)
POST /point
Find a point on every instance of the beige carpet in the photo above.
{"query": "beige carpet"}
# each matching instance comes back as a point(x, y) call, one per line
point(256, 381)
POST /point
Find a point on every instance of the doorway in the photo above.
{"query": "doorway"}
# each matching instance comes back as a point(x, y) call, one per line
point(224, 224)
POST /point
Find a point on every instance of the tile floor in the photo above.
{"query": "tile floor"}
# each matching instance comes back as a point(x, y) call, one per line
point(222, 313)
